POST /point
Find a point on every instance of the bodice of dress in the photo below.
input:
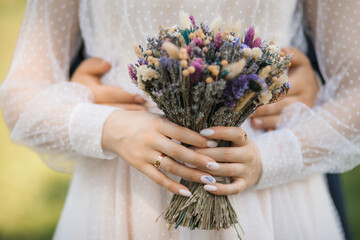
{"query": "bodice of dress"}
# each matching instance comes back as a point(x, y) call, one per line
point(59, 119)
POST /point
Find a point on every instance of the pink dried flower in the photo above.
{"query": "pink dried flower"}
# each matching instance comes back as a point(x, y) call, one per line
point(218, 40)
point(256, 43)
point(197, 63)
point(192, 21)
point(249, 37)
point(131, 73)
point(198, 42)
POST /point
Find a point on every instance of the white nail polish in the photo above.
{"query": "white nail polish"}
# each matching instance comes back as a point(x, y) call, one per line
point(211, 143)
point(176, 141)
point(210, 188)
point(207, 132)
point(212, 165)
point(190, 165)
point(185, 193)
point(207, 179)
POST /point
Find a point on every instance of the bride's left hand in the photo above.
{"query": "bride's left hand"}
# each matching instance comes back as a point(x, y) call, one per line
point(241, 161)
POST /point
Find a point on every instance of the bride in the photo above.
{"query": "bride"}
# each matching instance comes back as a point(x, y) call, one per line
point(278, 190)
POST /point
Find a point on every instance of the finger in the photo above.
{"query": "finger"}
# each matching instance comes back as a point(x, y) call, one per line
point(233, 134)
point(114, 94)
point(182, 153)
point(176, 168)
point(183, 135)
point(237, 186)
point(275, 108)
point(229, 170)
point(225, 154)
point(128, 107)
point(160, 178)
point(94, 66)
point(265, 122)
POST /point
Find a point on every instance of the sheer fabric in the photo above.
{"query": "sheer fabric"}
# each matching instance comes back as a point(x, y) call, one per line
point(109, 199)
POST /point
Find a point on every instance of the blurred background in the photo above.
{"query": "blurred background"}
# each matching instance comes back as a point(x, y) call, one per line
point(32, 195)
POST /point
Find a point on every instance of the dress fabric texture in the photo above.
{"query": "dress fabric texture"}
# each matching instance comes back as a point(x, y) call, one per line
point(108, 199)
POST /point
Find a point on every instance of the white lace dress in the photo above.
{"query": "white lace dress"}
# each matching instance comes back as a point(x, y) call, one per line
point(107, 198)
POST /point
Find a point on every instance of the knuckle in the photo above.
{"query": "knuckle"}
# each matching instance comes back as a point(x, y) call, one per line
point(157, 123)
point(171, 187)
point(228, 171)
point(174, 152)
point(228, 154)
point(157, 181)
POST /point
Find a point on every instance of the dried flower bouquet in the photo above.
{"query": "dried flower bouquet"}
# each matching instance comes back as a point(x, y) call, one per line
point(201, 77)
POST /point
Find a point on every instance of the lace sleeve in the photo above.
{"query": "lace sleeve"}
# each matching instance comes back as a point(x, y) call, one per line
point(41, 107)
point(326, 138)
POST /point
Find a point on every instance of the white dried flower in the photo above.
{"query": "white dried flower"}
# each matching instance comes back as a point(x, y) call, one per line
point(273, 48)
point(237, 28)
point(234, 68)
point(215, 25)
point(265, 97)
point(171, 50)
point(137, 50)
point(184, 20)
point(264, 72)
point(256, 52)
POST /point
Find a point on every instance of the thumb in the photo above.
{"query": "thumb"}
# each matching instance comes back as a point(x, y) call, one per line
point(94, 66)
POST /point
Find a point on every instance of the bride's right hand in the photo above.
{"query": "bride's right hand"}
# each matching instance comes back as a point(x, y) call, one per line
point(141, 137)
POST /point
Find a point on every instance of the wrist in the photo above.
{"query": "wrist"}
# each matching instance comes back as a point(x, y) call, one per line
point(85, 129)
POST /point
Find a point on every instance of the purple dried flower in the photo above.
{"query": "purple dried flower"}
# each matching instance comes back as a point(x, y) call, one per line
point(164, 61)
point(242, 46)
point(256, 43)
point(206, 28)
point(192, 21)
point(197, 64)
point(236, 41)
point(142, 62)
point(198, 42)
point(218, 40)
point(132, 73)
point(249, 37)
point(237, 87)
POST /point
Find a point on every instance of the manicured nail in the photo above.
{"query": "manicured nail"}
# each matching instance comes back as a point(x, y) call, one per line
point(212, 165)
point(211, 143)
point(185, 193)
point(207, 132)
point(258, 122)
point(190, 165)
point(176, 141)
point(207, 179)
point(138, 99)
point(210, 188)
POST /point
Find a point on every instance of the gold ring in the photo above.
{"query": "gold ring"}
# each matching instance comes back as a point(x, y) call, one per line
point(159, 159)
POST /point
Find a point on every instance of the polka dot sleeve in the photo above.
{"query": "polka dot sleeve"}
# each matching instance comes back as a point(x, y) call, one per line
point(327, 137)
point(37, 98)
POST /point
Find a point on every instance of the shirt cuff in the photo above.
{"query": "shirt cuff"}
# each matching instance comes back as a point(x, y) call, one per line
point(281, 158)
point(85, 129)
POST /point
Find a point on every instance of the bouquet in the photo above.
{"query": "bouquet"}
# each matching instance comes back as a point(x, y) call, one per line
point(201, 77)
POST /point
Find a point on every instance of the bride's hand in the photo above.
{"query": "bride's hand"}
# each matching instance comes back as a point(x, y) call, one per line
point(304, 88)
point(140, 138)
point(241, 161)
point(89, 74)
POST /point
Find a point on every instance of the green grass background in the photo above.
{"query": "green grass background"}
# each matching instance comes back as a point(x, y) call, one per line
point(32, 195)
